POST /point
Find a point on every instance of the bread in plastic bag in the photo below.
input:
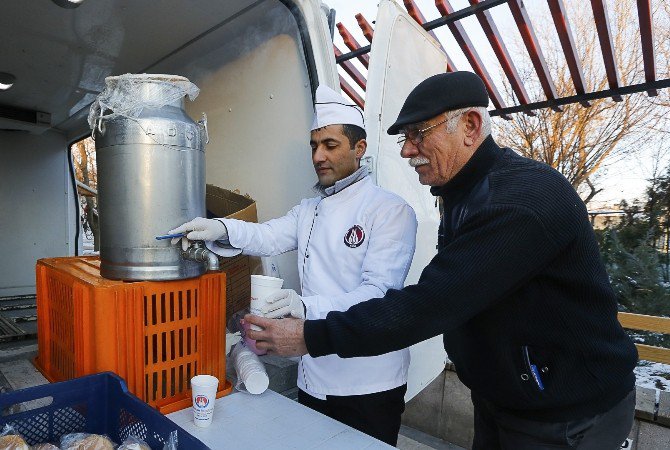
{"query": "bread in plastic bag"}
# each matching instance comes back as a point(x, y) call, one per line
point(85, 441)
point(134, 443)
point(46, 446)
point(11, 440)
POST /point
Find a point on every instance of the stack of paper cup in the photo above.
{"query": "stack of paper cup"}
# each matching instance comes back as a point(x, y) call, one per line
point(203, 389)
point(250, 370)
point(261, 287)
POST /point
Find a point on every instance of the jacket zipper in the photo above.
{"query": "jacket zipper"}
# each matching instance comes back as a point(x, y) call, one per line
point(304, 259)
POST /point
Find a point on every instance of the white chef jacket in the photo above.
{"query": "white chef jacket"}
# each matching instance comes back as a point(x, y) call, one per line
point(352, 246)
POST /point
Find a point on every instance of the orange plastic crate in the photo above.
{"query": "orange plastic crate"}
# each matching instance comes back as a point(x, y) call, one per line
point(155, 335)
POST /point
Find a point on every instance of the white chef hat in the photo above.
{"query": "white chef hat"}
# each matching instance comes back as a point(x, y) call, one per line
point(331, 108)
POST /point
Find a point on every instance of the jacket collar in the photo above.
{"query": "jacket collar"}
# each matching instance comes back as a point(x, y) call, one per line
point(344, 183)
point(474, 170)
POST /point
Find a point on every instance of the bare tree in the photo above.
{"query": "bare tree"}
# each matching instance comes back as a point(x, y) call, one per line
point(580, 141)
point(662, 47)
point(83, 156)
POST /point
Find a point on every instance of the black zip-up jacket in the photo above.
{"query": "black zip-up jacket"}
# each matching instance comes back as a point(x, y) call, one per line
point(517, 288)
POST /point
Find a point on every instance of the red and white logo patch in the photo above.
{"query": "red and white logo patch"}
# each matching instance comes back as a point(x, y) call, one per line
point(354, 237)
point(201, 401)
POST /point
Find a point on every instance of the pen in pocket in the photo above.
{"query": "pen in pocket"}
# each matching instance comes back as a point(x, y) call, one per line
point(536, 376)
point(533, 369)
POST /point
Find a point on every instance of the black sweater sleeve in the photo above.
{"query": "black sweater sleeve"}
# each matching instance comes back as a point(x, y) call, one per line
point(495, 251)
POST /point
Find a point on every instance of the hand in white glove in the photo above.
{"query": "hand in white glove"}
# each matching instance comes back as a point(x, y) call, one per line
point(283, 303)
point(200, 229)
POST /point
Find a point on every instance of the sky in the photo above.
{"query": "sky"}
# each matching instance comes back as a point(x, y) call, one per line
point(624, 179)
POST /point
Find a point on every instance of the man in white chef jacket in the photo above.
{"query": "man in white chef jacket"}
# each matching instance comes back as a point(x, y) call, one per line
point(355, 241)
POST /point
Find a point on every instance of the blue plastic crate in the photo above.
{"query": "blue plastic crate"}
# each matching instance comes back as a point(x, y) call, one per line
point(98, 404)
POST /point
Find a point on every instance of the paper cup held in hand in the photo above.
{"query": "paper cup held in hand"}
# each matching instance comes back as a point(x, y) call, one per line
point(203, 389)
point(261, 287)
point(250, 343)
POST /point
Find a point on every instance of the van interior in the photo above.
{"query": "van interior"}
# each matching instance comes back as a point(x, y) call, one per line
point(252, 60)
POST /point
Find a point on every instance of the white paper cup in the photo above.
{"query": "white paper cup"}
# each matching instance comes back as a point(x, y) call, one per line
point(250, 343)
point(203, 393)
point(250, 370)
point(256, 381)
point(261, 287)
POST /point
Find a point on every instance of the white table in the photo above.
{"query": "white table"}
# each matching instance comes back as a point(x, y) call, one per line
point(272, 421)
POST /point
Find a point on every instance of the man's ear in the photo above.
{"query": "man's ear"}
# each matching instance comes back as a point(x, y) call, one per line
point(473, 127)
point(360, 148)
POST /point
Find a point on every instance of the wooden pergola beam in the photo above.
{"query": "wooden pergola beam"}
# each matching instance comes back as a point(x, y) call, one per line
point(352, 44)
point(351, 92)
point(85, 189)
point(416, 14)
point(351, 69)
point(471, 54)
point(500, 50)
point(606, 46)
point(525, 27)
point(625, 90)
point(647, 38)
point(365, 26)
point(567, 40)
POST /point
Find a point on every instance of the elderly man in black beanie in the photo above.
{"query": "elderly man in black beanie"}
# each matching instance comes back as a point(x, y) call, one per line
point(517, 288)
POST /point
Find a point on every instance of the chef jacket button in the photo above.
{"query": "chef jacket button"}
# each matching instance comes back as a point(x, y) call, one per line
point(306, 256)
point(524, 376)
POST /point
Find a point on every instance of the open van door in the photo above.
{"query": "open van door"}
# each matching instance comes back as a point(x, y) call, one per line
point(402, 55)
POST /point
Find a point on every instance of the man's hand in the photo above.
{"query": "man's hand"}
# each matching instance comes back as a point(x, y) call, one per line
point(283, 303)
point(200, 229)
point(282, 337)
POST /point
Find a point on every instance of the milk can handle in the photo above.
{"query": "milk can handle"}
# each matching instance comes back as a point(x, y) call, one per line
point(203, 122)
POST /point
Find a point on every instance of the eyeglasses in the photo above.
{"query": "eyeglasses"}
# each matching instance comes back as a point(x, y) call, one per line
point(416, 136)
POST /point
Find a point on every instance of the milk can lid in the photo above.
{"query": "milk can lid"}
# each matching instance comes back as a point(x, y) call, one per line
point(126, 95)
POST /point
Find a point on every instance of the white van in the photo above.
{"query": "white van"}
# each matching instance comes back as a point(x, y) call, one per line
point(257, 64)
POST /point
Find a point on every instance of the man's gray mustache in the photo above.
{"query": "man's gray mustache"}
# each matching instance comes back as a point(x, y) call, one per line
point(418, 161)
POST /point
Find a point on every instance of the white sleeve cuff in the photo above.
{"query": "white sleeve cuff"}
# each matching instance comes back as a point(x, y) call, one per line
point(227, 251)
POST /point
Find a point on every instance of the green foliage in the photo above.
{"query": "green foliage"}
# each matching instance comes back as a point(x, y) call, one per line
point(635, 274)
point(636, 254)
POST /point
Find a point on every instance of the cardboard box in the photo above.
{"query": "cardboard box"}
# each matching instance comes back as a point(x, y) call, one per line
point(224, 203)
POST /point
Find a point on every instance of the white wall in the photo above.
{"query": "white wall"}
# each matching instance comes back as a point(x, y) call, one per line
point(36, 206)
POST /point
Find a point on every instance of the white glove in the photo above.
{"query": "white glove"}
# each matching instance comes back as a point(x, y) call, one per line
point(283, 303)
point(200, 229)
point(232, 339)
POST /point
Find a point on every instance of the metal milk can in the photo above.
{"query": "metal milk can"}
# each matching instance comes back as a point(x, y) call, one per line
point(151, 175)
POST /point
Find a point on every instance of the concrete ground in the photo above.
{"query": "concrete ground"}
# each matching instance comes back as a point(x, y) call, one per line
point(412, 439)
